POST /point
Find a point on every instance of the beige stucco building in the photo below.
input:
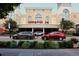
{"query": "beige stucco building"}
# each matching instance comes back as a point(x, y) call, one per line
point(44, 19)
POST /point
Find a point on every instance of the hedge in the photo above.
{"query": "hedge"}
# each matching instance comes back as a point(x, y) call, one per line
point(26, 44)
point(36, 45)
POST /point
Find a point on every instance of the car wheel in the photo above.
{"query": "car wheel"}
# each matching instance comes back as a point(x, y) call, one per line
point(14, 37)
point(61, 39)
point(44, 38)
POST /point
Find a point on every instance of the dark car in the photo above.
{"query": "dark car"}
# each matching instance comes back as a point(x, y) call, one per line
point(54, 35)
point(23, 35)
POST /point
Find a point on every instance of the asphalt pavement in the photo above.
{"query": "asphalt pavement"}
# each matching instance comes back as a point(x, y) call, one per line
point(39, 52)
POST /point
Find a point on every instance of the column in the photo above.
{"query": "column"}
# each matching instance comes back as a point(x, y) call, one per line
point(32, 30)
point(43, 30)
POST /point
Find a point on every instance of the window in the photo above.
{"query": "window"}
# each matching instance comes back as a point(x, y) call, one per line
point(38, 17)
point(29, 18)
point(66, 14)
point(47, 19)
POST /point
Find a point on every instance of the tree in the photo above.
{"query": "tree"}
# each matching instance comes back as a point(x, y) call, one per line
point(5, 8)
point(66, 24)
point(13, 24)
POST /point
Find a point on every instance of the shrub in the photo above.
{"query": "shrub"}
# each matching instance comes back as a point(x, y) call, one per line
point(39, 45)
point(32, 45)
point(66, 44)
point(62, 44)
point(13, 44)
point(55, 45)
point(1, 44)
point(69, 44)
point(4, 44)
point(26, 44)
point(74, 40)
point(46, 44)
point(7, 44)
point(50, 44)
point(20, 43)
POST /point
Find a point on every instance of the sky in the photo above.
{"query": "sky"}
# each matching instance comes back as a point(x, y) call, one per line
point(75, 6)
point(22, 8)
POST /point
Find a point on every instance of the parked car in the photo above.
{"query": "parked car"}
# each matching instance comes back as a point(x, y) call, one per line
point(54, 35)
point(23, 35)
point(38, 33)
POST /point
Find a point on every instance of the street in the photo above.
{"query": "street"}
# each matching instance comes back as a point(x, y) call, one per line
point(39, 52)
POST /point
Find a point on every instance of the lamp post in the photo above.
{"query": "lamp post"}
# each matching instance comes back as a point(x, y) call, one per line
point(62, 25)
point(9, 24)
point(9, 27)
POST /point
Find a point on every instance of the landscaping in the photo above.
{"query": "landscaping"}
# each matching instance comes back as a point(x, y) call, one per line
point(39, 45)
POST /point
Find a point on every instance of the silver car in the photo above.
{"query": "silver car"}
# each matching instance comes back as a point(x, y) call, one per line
point(23, 35)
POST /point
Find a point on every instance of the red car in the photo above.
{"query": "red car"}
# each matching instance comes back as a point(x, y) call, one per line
point(54, 35)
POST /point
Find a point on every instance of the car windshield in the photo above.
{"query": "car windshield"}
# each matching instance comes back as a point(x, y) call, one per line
point(25, 33)
point(38, 32)
point(55, 33)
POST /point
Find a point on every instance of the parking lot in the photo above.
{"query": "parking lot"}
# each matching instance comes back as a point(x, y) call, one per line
point(7, 38)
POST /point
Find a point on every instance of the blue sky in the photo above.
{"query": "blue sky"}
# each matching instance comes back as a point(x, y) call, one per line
point(75, 6)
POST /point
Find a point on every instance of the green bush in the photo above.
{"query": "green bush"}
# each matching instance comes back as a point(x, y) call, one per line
point(66, 44)
point(13, 44)
point(7, 44)
point(35, 44)
point(26, 44)
point(1, 44)
point(50, 44)
point(32, 45)
point(46, 44)
point(39, 45)
point(55, 45)
point(20, 43)
point(69, 44)
point(61, 44)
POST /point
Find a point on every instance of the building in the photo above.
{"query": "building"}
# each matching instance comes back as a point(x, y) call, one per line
point(38, 19)
point(42, 18)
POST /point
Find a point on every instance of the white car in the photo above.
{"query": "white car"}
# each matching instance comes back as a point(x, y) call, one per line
point(39, 33)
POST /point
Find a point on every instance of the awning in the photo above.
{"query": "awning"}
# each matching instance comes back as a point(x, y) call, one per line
point(38, 26)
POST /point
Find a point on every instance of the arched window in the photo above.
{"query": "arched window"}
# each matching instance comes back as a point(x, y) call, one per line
point(47, 18)
point(29, 18)
point(66, 14)
point(38, 17)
